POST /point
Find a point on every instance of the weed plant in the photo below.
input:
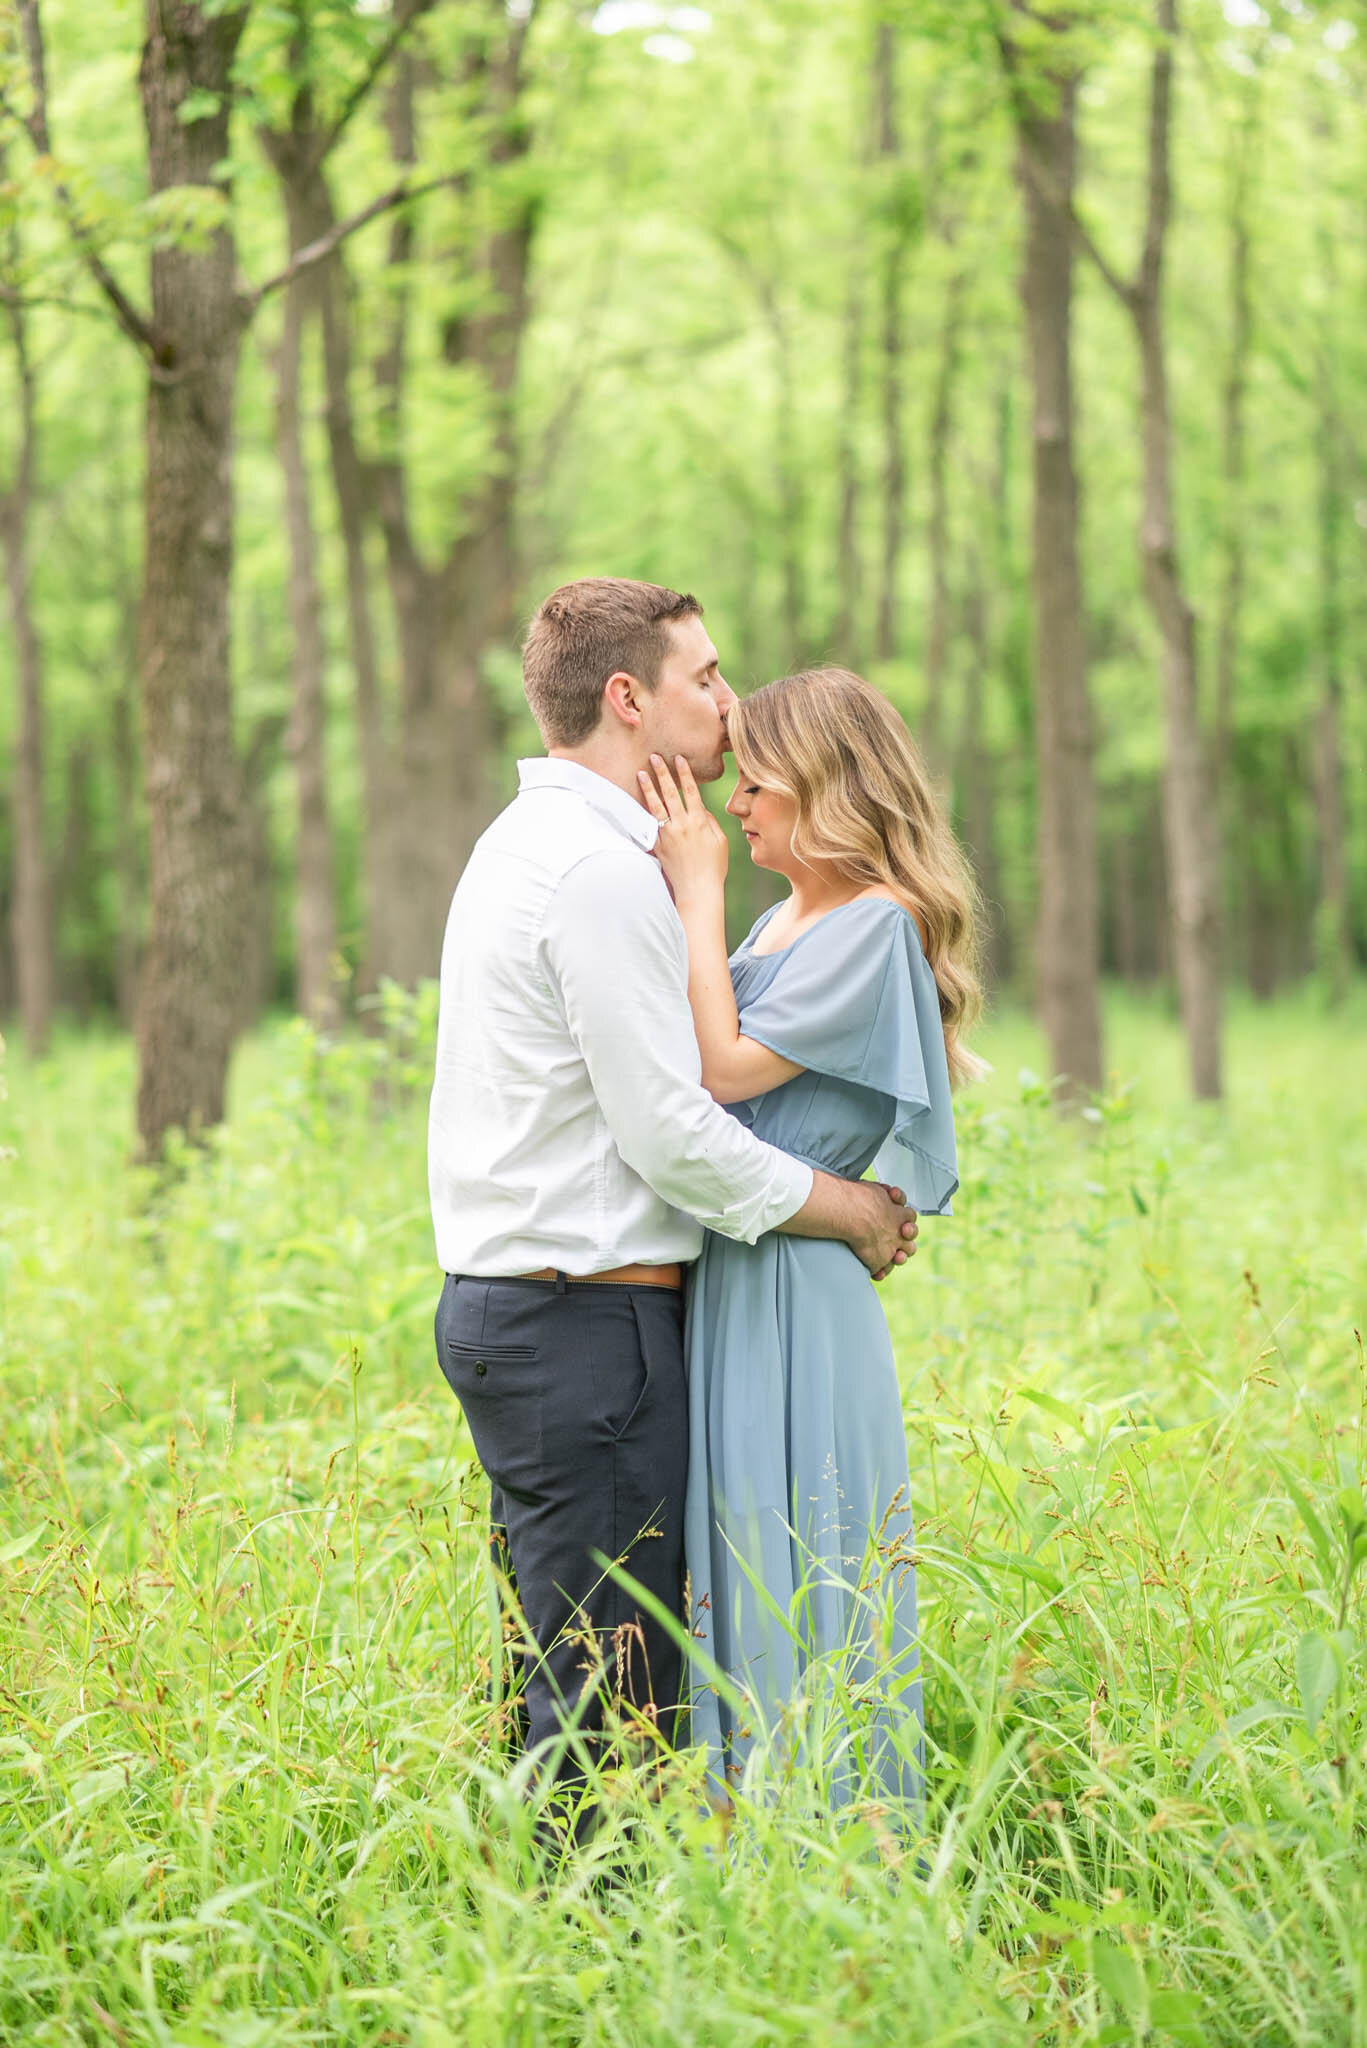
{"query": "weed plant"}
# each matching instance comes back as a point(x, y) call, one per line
point(252, 1781)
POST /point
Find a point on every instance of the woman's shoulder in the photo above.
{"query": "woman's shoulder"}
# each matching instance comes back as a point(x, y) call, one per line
point(879, 892)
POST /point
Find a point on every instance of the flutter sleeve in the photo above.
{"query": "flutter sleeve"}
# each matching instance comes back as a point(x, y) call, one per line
point(857, 1000)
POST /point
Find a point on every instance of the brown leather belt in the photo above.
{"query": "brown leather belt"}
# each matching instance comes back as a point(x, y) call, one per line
point(616, 1276)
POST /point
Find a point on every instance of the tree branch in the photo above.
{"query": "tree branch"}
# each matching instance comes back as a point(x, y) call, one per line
point(135, 325)
point(408, 13)
point(319, 251)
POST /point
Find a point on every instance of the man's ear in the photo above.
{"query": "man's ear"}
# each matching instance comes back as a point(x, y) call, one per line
point(622, 698)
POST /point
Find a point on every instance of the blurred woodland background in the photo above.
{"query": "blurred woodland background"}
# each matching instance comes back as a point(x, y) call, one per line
point(1015, 356)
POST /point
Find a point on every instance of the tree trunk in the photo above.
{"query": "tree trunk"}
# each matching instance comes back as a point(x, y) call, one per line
point(1234, 540)
point(976, 778)
point(791, 494)
point(197, 847)
point(844, 646)
point(31, 925)
point(381, 883)
point(1332, 925)
point(1333, 940)
point(937, 538)
point(256, 976)
point(894, 452)
point(1188, 795)
point(123, 747)
point(1068, 960)
point(315, 909)
point(449, 613)
point(74, 885)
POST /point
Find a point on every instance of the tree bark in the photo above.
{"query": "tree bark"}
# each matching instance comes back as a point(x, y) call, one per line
point(1189, 822)
point(975, 775)
point(197, 845)
point(1188, 793)
point(449, 612)
point(31, 922)
point(844, 644)
point(1233, 463)
point(123, 747)
point(315, 907)
point(1068, 946)
point(381, 883)
point(890, 292)
point(1333, 938)
point(1333, 941)
point(937, 536)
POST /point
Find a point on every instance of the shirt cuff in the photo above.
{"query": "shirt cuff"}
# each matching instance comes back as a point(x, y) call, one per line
point(789, 1186)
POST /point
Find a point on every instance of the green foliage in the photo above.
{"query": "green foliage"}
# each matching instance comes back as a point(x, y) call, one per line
point(710, 206)
point(253, 1786)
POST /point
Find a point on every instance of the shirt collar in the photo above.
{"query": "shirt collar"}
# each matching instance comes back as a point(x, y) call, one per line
point(605, 797)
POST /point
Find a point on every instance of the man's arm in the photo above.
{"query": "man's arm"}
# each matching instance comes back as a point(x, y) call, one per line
point(872, 1219)
point(613, 948)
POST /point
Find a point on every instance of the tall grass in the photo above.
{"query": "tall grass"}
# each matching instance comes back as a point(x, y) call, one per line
point(251, 1782)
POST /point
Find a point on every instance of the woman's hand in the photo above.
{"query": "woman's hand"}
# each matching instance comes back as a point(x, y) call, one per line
point(692, 846)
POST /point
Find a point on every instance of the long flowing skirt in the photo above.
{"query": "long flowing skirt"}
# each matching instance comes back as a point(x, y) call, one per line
point(798, 1527)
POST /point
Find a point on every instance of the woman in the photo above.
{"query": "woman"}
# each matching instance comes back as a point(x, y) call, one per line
point(835, 1032)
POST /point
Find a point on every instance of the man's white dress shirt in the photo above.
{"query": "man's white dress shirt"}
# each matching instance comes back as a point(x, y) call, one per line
point(569, 1126)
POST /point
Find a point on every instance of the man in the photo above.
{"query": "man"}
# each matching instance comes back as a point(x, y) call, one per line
point(574, 1156)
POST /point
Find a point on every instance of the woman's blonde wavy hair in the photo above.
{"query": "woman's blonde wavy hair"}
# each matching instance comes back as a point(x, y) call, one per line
point(835, 746)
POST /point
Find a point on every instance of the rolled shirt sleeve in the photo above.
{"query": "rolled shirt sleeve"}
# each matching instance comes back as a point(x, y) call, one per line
point(613, 948)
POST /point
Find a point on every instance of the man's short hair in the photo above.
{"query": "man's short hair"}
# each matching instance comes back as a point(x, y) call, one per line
point(587, 631)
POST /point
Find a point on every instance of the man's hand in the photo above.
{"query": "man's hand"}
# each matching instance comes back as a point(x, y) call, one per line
point(891, 1232)
point(867, 1215)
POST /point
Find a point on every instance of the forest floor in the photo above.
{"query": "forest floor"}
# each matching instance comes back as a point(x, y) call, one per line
point(248, 1788)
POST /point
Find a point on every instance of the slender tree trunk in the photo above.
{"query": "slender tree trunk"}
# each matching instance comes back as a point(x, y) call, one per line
point(1332, 925)
point(1233, 462)
point(1333, 941)
point(1124, 904)
point(315, 910)
point(299, 153)
point(31, 924)
point(295, 154)
point(448, 613)
point(256, 977)
point(791, 494)
point(1190, 826)
point(941, 432)
point(381, 883)
point(74, 884)
point(890, 291)
point(127, 867)
point(847, 466)
point(1068, 957)
point(975, 773)
point(198, 855)
point(123, 747)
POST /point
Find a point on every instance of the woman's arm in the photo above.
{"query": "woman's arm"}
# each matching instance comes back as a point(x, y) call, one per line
point(693, 853)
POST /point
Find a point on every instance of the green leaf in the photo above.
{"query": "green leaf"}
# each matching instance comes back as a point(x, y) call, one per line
point(22, 1543)
point(1118, 1974)
point(1324, 1549)
point(1177, 2013)
point(1237, 1724)
point(1050, 1404)
point(1317, 1674)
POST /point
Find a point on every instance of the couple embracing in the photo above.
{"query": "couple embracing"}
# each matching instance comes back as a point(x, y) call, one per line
point(645, 1166)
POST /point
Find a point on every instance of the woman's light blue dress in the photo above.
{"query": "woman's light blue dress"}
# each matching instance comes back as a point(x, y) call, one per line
point(798, 1518)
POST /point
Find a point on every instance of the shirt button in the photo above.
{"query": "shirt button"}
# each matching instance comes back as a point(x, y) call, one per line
point(480, 1368)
